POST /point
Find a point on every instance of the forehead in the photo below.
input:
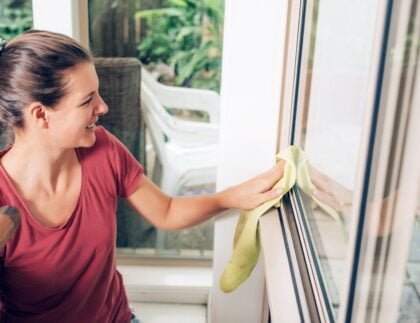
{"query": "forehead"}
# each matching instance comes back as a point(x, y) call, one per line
point(81, 80)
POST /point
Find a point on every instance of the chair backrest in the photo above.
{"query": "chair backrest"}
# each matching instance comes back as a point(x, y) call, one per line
point(4, 136)
point(119, 85)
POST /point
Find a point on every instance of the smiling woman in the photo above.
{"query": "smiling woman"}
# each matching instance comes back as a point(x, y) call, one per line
point(64, 176)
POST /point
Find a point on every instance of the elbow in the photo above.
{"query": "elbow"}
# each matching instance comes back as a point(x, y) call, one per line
point(166, 221)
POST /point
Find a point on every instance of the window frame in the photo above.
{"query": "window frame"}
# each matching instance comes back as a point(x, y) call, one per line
point(70, 18)
point(249, 124)
point(270, 225)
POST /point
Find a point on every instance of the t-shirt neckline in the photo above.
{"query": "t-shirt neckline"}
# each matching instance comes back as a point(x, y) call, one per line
point(26, 208)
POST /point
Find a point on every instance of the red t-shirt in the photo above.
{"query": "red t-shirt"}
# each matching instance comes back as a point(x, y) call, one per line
point(68, 274)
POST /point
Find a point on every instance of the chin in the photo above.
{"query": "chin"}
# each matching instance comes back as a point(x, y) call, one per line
point(88, 141)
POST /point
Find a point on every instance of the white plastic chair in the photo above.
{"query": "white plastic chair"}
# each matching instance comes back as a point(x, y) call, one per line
point(187, 150)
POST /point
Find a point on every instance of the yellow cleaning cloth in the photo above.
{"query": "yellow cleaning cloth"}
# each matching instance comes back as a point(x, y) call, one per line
point(246, 242)
point(303, 180)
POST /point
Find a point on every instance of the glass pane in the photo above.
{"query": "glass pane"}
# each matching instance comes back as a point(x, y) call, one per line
point(393, 266)
point(178, 44)
point(331, 105)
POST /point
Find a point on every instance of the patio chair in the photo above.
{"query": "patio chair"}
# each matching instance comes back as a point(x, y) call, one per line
point(187, 150)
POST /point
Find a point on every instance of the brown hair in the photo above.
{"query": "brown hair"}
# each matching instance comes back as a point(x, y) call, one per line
point(32, 67)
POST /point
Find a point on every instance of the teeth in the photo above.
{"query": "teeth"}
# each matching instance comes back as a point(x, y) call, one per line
point(91, 126)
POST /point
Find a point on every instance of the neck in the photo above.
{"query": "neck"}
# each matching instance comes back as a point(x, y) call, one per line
point(39, 166)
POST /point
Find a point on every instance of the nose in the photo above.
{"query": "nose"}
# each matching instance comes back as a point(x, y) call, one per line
point(101, 107)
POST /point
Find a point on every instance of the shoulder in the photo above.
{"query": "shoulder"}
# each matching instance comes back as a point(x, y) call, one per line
point(98, 162)
point(103, 138)
point(99, 158)
point(107, 151)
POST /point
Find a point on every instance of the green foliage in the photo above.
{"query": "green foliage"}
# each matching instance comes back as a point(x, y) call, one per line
point(186, 35)
point(15, 18)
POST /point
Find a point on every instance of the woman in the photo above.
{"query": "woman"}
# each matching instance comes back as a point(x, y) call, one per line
point(64, 174)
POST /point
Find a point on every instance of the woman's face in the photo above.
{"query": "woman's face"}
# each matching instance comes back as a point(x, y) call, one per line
point(72, 122)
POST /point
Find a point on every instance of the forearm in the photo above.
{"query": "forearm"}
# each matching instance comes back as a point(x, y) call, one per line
point(170, 213)
point(186, 211)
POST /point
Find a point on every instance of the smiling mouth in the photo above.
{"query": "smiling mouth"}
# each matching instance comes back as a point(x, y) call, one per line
point(91, 126)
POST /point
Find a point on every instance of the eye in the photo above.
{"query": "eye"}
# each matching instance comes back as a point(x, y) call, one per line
point(86, 103)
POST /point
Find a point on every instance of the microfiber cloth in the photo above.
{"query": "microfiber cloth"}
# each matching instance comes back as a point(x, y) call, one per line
point(246, 242)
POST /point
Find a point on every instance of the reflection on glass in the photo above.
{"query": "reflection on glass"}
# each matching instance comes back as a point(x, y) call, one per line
point(331, 105)
point(394, 288)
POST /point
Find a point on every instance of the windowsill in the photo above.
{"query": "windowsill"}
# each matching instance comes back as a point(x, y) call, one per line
point(163, 284)
point(141, 259)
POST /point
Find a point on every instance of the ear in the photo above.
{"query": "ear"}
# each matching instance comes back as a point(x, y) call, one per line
point(38, 114)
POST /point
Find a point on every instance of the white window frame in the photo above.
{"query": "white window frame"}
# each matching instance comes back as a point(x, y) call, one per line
point(69, 17)
point(252, 65)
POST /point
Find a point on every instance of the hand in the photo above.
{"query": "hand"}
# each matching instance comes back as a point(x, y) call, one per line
point(330, 192)
point(9, 223)
point(256, 191)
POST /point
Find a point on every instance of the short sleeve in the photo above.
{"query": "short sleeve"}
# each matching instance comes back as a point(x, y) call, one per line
point(127, 169)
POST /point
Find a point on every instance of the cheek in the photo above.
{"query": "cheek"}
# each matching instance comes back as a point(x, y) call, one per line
point(68, 125)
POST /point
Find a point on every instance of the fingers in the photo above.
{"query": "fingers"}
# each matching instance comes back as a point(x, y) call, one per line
point(328, 185)
point(274, 174)
point(318, 179)
point(327, 199)
point(270, 195)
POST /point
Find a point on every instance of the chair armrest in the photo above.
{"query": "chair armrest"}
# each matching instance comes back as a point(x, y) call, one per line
point(189, 133)
point(186, 133)
point(184, 98)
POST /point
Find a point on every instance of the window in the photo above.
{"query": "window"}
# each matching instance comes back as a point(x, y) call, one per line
point(332, 88)
point(352, 104)
point(178, 44)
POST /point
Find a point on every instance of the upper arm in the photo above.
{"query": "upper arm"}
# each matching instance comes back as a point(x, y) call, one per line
point(150, 202)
